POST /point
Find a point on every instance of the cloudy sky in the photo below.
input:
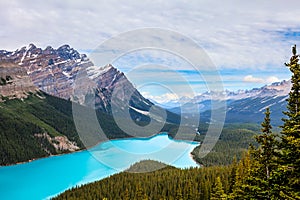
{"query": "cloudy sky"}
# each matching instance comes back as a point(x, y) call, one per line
point(248, 41)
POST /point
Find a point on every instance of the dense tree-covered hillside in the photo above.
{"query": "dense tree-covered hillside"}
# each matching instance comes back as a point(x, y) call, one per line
point(233, 142)
point(166, 183)
point(24, 124)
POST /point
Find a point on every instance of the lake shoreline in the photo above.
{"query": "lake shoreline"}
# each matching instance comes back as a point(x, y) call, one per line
point(84, 149)
point(49, 177)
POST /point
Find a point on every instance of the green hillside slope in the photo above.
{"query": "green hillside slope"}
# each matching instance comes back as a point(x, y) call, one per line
point(30, 128)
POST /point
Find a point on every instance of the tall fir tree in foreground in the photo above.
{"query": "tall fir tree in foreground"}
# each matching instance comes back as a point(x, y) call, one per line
point(264, 162)
point(274, 170)
point(266, 153)
point(290, 139)
point(253, 178)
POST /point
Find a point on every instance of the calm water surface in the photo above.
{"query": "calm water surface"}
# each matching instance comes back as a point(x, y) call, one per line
point(44, 178)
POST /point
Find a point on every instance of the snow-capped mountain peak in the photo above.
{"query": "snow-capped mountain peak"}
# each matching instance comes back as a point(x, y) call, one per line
point(54, 71)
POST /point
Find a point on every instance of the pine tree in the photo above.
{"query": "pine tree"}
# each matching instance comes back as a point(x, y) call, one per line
point(190, 193)
point(264, 160)
point(207, 188)
point(139, 192)
point(268, 145)
point(218, 191)
point(179, 195)
point(242, 173)
point(290, 139)
point(127, 195)
point(232, 174)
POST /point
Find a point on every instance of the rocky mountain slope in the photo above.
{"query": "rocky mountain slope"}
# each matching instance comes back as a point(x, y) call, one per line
point(59, 72)
point(251, 107)
point(54, 71)
point(49, 69)
point(33, 127)
point(14, 82)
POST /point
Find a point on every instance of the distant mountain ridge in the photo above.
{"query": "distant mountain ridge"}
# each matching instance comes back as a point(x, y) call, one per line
point(243, 106)
point(275, 89)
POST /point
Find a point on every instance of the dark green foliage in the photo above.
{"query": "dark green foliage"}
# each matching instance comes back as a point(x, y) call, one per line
point(242, 172)
point(8, 78)
point(17, 143)
point(232, 177)
point(5, 80)
point(234, 140)
point(289, 171)
point(146, 166)
point(167, 183)
point(264, 160)
point(258, 182)
point(55, 113)
point(51, 62)
point(21, 120)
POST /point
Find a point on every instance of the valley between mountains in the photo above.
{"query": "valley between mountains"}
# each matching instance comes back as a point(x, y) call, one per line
point(37, 93)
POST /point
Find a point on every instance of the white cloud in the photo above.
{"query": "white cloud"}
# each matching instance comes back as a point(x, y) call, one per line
point(238, 35)
point(252, 79)
point(164, 98)
point(235, 34)
point(268, 80)
point(272, 79)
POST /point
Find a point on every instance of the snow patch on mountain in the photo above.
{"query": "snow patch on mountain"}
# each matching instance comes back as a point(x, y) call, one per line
point(140, 111)
point(95, 71)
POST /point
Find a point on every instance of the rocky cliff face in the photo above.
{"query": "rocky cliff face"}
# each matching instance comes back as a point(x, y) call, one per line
point(51, 70)
point(54, 71)
point(14, 82)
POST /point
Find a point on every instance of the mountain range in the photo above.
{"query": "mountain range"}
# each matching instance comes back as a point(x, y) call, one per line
point(242, 106)
point(54, 71)
point(38, 87)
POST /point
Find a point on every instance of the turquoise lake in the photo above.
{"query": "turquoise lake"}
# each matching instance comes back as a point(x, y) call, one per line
point(47, 177)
